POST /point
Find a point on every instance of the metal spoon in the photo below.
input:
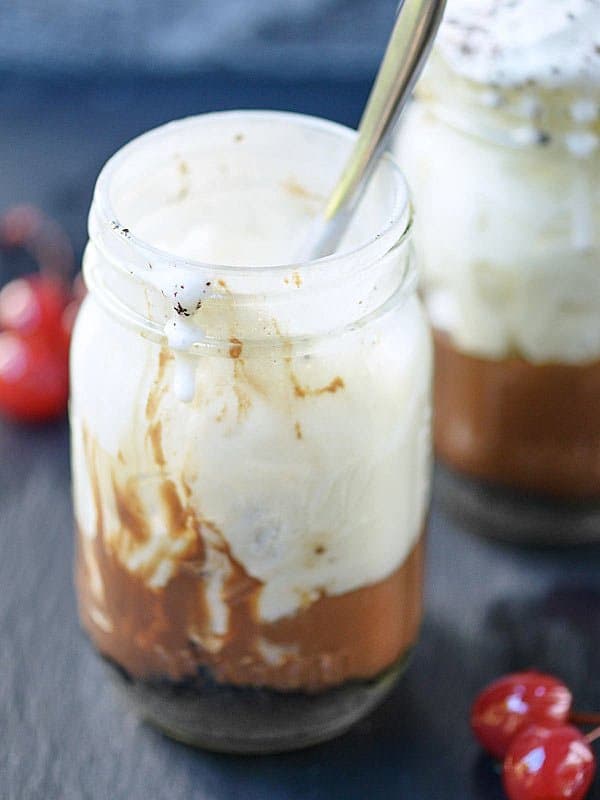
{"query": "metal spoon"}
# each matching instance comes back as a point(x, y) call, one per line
point(405, 56)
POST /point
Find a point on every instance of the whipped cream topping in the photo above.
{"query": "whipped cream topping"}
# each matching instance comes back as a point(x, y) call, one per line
point(505, 176)
point(551, 43)
point(510, 261)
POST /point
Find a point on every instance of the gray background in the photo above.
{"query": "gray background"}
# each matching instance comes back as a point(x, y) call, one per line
point(292, 38)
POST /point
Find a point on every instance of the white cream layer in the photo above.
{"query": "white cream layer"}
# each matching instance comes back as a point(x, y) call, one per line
point(355, 485)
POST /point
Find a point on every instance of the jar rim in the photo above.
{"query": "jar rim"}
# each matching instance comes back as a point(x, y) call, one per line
point(395, 230)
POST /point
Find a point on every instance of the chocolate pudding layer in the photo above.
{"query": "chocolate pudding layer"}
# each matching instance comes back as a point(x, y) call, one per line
point(150, 633)
point(258, 686)
point(534, 428)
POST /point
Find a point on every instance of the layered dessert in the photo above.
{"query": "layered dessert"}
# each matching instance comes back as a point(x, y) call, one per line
point(250, 444)
point(501, 149)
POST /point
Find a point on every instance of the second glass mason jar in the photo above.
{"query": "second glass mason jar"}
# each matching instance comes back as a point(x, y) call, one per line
point(506, 183)
point(250, 442)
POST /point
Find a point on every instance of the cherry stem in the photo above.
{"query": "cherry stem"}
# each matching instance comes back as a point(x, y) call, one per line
point(584, 718)
point(593, 735)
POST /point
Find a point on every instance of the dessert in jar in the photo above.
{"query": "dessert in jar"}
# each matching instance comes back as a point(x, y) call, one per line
point(501, 149)
point(250, 437)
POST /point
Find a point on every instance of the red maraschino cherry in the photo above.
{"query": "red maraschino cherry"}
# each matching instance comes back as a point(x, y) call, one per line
point(513, 702)
point(554, 763)
point(37, 313)
point(34, 385)
point(33, 305)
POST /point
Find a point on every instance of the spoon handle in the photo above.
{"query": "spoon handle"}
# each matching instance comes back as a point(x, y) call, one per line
point(407, 51)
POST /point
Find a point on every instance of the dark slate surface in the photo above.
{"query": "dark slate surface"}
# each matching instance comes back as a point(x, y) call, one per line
point(489, 607)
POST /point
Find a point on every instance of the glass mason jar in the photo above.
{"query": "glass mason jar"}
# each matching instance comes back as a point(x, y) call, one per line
point(509, 181)
point(250, 441)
